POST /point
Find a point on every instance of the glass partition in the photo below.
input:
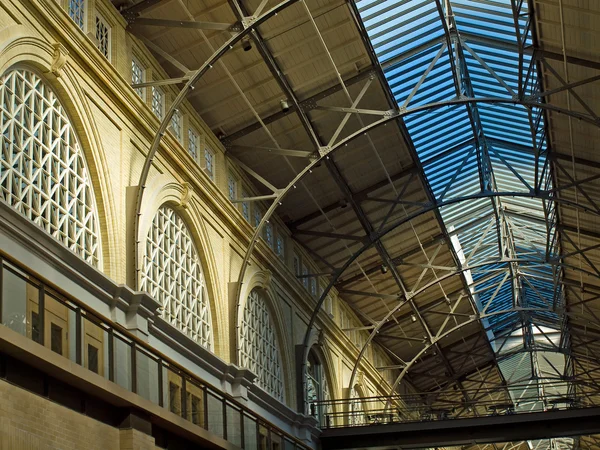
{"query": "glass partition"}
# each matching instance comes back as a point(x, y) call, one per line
point(42, 314)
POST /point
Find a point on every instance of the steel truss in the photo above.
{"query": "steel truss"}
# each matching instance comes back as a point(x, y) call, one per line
point(508, 267)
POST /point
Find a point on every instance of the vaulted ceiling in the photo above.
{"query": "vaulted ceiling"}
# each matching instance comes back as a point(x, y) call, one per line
point(438, 160)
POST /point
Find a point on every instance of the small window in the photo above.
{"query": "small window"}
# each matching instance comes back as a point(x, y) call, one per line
point(279, 248)
point(246, 206)
point(313, 287)
point(209, 163)
point(257, 217)
point(77, 12)
point(231, 187)
point(296, 265)
point(176, 127)
point(103, 36)
point(137, 76)
point(193, 144)
point(269, 235)
point(56, 338)
point(328, 305)
point(196, 409)
point(158, 102)
point(304, 274)
point(92, 353)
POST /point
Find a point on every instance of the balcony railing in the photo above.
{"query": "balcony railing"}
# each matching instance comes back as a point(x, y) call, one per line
point(52, 319)
point(534, 396)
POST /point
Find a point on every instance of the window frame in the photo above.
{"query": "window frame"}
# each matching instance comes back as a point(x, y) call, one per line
point(82, 16)
point(259, 347)
point(213, 156)
point(140, 91)
point(177, 132)
point(163, 267)
point(193, 137)
point(245, 206)
point(232, 186)
point(157, 89)
point(83, 214)
point(99, 19)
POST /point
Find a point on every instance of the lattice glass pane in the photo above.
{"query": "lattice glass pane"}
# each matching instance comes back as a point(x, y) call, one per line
point(176, 125)
point(158, 102)
point(77, 12)
point(137, 76)
point(317, 389)
point(209, 163)
point(304, 276)
point(103, 36)
point(231, 187)
point(258, 345)
point(257, 216)
point(279, 248)
point(357, 410)
point(269, 235)
point(172, 274)
point(43, 174)
point(246, 206)
point(193, 144)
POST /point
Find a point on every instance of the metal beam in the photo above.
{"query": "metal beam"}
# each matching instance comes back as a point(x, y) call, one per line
point(186, 24)
point(480, 430)
point(228, 140)
point(360, 196)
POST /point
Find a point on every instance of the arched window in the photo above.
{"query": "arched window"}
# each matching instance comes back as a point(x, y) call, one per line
point(259, 348)
point(317, 390)
point(43, 174)
point(172, 274)
point(356, 409)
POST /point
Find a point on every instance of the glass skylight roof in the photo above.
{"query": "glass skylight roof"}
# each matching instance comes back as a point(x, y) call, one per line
point(439, 51)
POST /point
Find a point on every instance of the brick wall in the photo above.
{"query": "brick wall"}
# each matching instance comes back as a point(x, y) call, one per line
point(30, 422)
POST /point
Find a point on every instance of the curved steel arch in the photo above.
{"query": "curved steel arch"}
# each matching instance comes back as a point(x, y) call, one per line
point(477, 317)
point(377, 236)
point(324, 153)
point(193, 79)
point(387, 116)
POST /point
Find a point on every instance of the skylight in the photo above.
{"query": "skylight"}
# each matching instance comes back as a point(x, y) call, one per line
point(482, 157)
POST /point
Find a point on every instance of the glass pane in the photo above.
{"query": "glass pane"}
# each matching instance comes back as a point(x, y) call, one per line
point(195, 402)
point(94, 344)
point(122, 363)
point(215, 415)
point(172, 383)
point(250, 440)
point(147, 376)
point(18, 298)
point(263, 437)
point(234, 425)
point(72, 336)
point(276, 441)
point(56, 326)
point(288, 445)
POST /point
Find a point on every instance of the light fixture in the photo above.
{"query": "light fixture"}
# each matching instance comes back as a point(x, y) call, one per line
point(413, 318)
point(285, 106)
point(384, 268)
point(246, 44)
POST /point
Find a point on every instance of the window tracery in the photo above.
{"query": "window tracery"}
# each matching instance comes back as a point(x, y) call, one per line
point(172, 274)
point(258, 345)
point(43, 174)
